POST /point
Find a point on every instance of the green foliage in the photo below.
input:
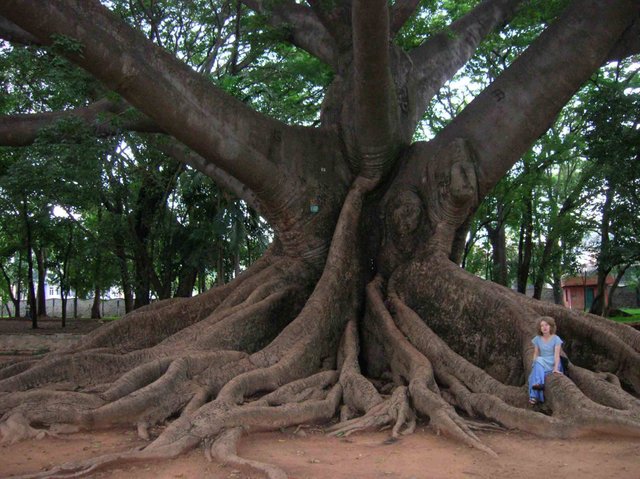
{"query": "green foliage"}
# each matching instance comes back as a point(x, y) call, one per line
point(613, 142)
point(35, 79)
point(66, 45)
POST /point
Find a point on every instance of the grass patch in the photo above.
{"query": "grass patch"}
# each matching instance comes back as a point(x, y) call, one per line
point(110, 318)
point(626, 319)
point(631, 315)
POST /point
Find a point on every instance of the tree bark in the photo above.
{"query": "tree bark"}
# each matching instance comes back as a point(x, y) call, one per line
point(97, 302)
point(497, 238)
point(42, 279)
point(14, 299)
point(525, 244)
point(604, 260)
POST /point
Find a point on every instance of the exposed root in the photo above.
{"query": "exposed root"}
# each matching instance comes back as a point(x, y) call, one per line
point(178, 439)
point(603, 388)
point(17, 428)
point(359, 394)
point(573, 414)
point(80, 370)
point(394, 411)
point(589, 339)
point(145, 327)
point(83, 468)
point(224, 450)
point(417, 368)
point(48, 407)
point(11, 369)
point(137, 378)
point(446, 361)
point(309, 388)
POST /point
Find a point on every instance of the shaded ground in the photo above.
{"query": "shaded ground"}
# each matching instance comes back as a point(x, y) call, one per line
point(48, 326)
point(309, 454)
point(316, 456)
point(18, 339)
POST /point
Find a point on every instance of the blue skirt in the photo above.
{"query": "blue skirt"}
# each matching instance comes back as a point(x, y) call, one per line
point(537, 376)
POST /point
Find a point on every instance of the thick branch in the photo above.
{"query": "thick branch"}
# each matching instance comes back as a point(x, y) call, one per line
point(336, 18)
point(225, 181)
point(104, 117)
point(182, 102)
point(522, 103)
point(13, 33)
point(629, 43)
point(373, 85)
point(401, 11)
point(305, 31)
point(440, 57)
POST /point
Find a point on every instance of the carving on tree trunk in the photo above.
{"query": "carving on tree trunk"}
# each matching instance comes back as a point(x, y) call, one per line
point(356, 310)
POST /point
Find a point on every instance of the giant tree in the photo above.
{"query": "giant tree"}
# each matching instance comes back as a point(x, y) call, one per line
point(361, 280)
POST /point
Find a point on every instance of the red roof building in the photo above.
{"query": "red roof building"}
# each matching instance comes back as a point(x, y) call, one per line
point(579, 291)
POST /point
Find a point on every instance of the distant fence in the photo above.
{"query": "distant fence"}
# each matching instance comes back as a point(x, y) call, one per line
point(108, 307)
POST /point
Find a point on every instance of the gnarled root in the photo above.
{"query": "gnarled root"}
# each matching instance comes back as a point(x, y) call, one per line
point(394, 411)
point(224, 450)
point(595, 403)
point(411, 364)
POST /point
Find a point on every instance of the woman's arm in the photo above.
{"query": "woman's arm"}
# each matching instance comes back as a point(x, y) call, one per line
point(556, 358)
point(536, 353)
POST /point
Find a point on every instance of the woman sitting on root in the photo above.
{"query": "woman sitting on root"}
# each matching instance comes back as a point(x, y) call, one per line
point(546, 358)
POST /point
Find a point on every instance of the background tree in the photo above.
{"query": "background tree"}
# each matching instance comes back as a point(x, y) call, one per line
point(613, 142)
point(361, 279)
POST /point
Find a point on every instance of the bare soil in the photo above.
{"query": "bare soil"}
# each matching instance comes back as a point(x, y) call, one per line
point(317, 456)
point(309, 454)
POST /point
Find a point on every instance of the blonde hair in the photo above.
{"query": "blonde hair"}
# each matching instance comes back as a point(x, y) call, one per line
point(550, 321)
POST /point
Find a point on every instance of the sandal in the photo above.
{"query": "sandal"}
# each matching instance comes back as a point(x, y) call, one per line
point(533, 401)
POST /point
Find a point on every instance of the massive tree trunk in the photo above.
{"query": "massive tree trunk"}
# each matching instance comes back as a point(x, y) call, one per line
point(359, 282)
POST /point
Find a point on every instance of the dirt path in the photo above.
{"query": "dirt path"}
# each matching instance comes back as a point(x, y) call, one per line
point(316, 456)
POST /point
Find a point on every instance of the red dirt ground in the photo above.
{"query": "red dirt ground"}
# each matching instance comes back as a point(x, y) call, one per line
point(310, 454)
point(363, 456)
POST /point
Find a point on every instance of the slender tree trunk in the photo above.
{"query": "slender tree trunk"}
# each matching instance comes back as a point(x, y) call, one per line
point(220, 263)
point(604, 258)
point(557, 288)
point(31, 294)
point(63, 299)
point(15, 300)
point(498, 242)
point(525, 244)
point(236, 264)
point(42, 275)
point(19, 286)
point(95, 307)
point(186, 282)
point(614, 288)
point(550, 246)
point(125, 278)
